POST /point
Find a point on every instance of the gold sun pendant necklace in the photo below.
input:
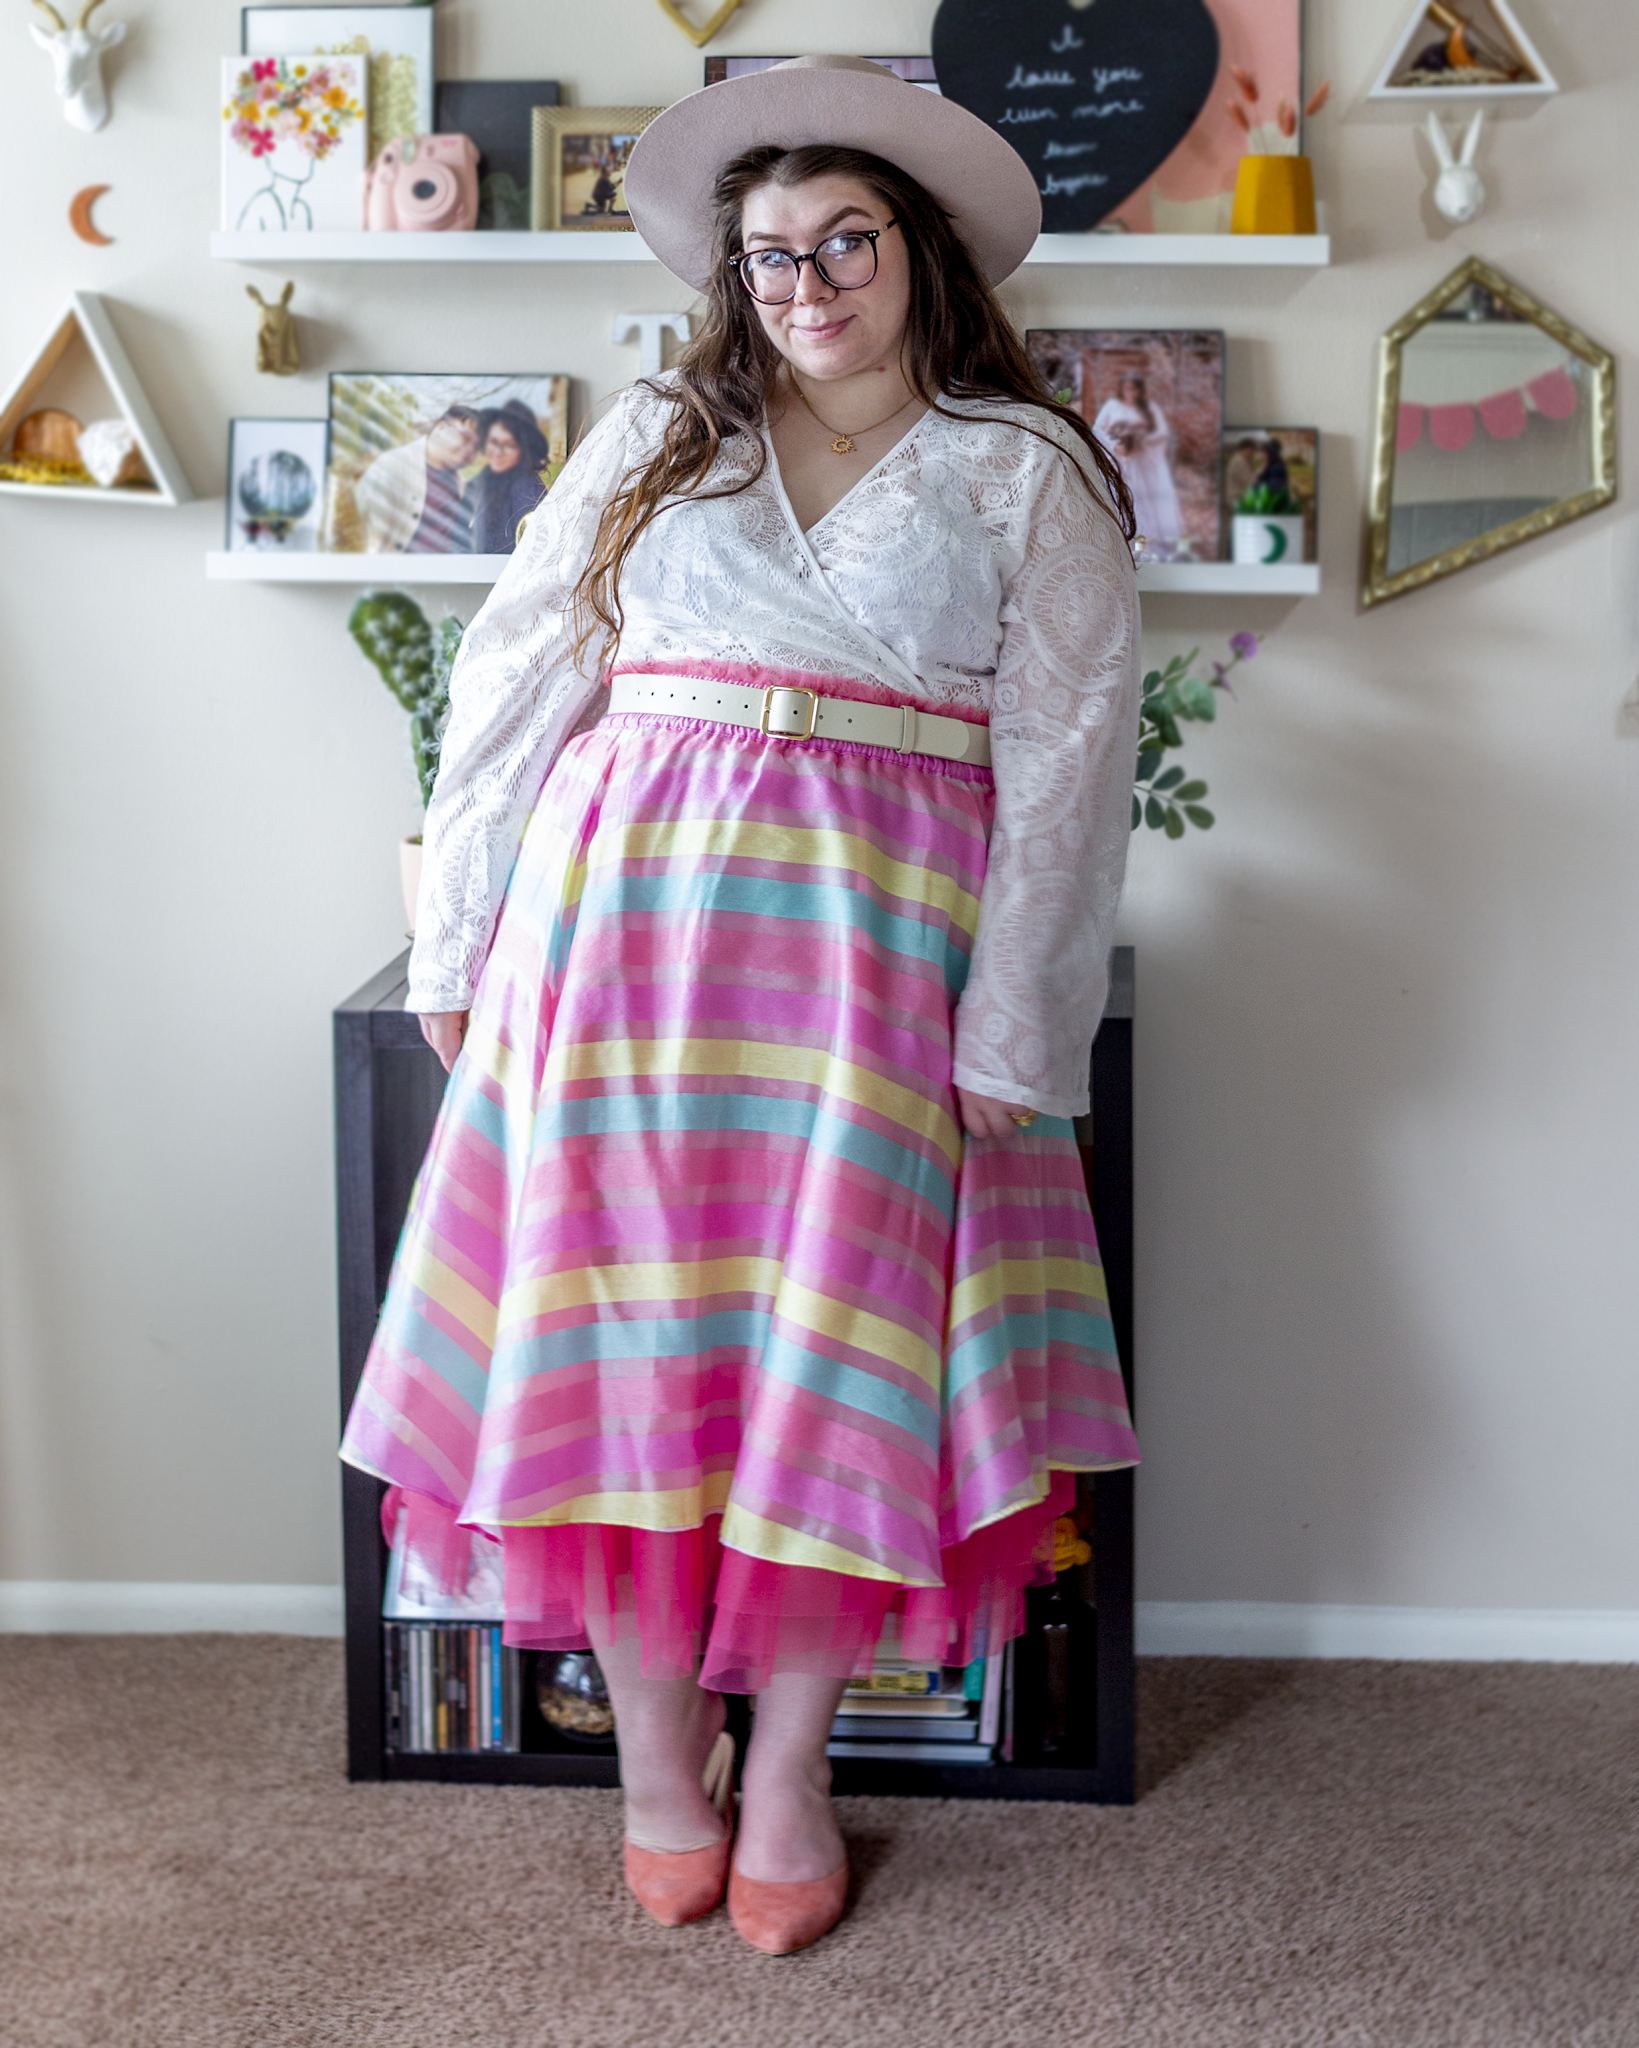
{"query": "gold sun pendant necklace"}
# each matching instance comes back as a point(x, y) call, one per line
point(844, 443)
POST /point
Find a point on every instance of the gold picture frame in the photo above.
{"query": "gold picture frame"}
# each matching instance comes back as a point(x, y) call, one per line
point(1378, 582)
point(575, 153)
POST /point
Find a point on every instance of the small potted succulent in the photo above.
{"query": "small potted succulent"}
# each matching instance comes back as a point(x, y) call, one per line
point(1267, 523)
point(413, 658)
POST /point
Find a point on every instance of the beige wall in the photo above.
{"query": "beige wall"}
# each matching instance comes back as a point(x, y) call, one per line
point(1387, 1009)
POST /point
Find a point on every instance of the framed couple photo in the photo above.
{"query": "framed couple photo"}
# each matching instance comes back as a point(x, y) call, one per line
point(440, 465)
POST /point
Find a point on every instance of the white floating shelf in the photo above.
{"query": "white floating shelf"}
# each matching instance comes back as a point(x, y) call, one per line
point(1289, 579)
point(590, 246)
point(1203, 579)
point(251, 565)
point(1305, 252)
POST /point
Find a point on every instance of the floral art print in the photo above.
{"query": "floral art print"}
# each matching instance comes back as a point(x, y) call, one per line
point(293, 143)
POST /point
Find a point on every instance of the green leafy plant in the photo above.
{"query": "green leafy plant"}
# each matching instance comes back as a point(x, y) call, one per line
point(413, 658)
point(1270, 501)
point(1163, 798)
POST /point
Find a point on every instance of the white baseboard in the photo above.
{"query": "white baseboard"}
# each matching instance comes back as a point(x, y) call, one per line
point(1271, 1628)
point(120, 1607)
point(1166, 1628)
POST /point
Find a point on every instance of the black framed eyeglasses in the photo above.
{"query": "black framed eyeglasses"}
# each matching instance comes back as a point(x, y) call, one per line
point(847, 262)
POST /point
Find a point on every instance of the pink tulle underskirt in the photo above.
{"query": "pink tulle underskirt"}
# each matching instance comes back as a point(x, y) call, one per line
point(730, 1619)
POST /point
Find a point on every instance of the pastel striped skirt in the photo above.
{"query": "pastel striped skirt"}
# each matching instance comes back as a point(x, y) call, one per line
point(705, 1308)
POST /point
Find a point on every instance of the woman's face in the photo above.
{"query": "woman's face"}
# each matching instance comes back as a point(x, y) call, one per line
point(501, 451)
point(1132, 391)
point(823, 332)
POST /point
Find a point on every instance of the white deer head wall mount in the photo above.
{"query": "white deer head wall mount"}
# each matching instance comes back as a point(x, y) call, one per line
point(76, 59)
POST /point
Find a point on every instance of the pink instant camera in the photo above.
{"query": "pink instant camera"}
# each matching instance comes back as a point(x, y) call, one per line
point(424, 183)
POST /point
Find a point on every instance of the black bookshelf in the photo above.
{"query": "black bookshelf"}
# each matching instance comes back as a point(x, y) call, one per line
point(388, 1089)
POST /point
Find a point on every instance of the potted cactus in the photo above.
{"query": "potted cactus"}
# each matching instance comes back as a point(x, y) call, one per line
point(413, 658)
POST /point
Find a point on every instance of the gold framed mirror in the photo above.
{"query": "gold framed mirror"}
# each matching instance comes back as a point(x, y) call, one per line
point(1496, 422)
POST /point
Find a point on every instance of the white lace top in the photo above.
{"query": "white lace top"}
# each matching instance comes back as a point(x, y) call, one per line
point(969, 567)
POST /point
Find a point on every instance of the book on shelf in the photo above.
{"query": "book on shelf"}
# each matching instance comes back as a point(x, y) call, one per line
point(451, 1688)
point(914, 1752)
point(911, 1713)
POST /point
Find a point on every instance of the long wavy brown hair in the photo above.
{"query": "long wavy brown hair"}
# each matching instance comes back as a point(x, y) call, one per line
point(959, 343)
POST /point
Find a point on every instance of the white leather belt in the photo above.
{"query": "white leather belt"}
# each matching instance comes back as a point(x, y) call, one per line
point(785, 713)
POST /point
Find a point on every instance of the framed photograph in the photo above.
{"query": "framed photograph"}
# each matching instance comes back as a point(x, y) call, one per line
point(440, 465)
point(1263, 466)
point(579, 165)
point(1155, 398)
point(293, 135)
point(498, 115)
point(275, 485)
point(395, 43)
point(914, 70)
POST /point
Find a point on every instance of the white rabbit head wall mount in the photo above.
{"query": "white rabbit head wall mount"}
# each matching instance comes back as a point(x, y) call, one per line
point(1459, 190)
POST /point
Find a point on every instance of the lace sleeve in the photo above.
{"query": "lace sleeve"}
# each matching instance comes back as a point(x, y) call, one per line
point(515, 696)
point(1063, 727)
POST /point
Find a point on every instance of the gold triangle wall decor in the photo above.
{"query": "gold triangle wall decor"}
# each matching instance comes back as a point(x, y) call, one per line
point(700, 36)
point(85, 318)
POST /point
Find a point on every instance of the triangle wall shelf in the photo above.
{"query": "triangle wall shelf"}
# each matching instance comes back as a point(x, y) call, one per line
point(86, 318)
point(1494, 18)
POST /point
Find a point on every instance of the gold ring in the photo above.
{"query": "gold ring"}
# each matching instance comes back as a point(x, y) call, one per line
point(1024, 1118)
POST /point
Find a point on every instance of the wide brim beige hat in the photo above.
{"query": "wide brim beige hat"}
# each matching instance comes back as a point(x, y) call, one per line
point(975, 174)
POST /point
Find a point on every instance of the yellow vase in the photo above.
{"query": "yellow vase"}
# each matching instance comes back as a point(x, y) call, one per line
point(1274, 195)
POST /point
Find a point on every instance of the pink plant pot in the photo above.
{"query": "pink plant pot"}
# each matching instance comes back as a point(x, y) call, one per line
point(409, 875)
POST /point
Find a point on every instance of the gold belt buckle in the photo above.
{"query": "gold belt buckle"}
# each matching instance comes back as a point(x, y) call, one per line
point(786, 690)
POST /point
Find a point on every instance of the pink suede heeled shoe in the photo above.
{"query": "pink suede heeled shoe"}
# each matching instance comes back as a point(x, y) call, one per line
point(781, 1918)
point(675, 1886)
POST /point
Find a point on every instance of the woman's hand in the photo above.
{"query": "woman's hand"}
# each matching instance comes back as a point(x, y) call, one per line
point(984, 1117)
point(444, 1030)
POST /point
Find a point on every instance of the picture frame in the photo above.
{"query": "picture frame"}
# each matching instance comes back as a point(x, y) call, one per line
point(275, 485)
point(578, 167)
point(1155, 399)
point(396, 44)
point(443, 464)
point(498, 115)
point(914, 70)
point(1193, 190)
point(294, 132)
point(1255, 455)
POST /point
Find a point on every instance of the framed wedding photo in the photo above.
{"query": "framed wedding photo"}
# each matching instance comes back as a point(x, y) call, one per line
point(275, 485)
point(579, 166)
point(1155, 398)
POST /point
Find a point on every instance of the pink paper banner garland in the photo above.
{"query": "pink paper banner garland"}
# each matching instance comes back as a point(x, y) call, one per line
point(1503, 414)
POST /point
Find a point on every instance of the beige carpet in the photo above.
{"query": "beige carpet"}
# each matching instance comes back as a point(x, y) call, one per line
point(1354, 1855)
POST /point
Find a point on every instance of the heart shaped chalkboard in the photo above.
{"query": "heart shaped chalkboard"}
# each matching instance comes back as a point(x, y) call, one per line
point(1095, 98)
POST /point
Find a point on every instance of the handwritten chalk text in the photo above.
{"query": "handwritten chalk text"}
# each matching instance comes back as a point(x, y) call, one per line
point(1023, 80)
point(1101, 110)
point(1016, 117)
point(1065, 188)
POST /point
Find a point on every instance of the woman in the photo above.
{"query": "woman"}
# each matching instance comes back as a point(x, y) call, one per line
point(750, 1295)
point(1138, 430)
point(510, 485)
